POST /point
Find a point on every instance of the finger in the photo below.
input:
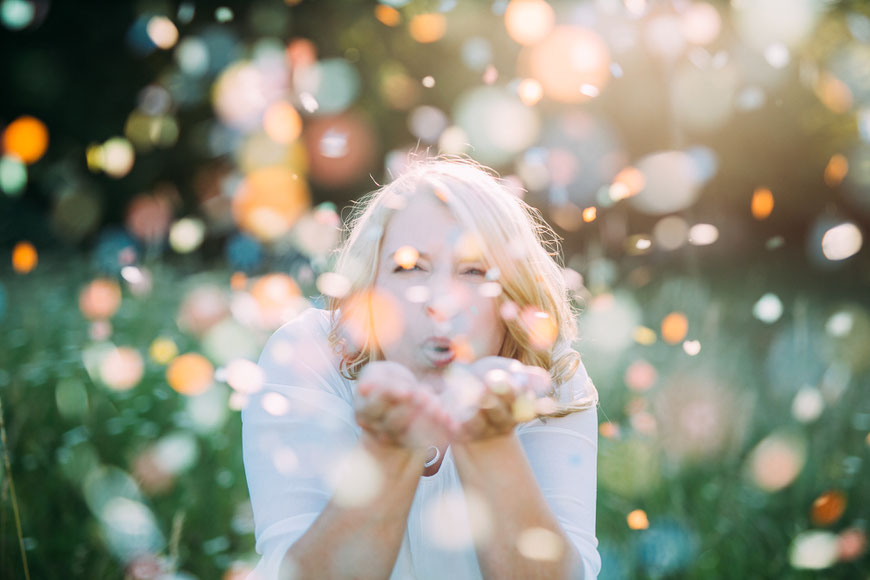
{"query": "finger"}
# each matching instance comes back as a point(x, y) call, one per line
point(500, 417)
point(498, 380)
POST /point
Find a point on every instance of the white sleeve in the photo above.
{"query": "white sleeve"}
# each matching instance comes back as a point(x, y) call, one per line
point(563, 454)
point(293, 430)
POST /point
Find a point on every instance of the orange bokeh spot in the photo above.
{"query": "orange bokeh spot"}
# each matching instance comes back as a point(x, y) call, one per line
point(542, 329)
point(675, 326)
point(282, 122)
point(834, 93)
point(836, 170)
point(628, 182)
point(828, 508)
point(609, 430)
point(100, 299)
point(568, 59)
point(387, 15)
point(269, 202)
point(373, 312)
point(190, 374)
point(406, 257)
point(26, 138)
point(426, 28)
point(277, 296)
point(238, 281)
point(528, 21)
point(589, 214)
point(24, 257)
point(637, 520)
point(762, 203)
point(530, 91)
point(301, 52)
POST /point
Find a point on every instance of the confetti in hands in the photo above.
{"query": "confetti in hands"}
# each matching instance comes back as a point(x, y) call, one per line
point(396, 410)
point(484, 399)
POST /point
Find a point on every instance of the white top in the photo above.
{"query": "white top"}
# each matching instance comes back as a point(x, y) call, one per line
point(297, 430)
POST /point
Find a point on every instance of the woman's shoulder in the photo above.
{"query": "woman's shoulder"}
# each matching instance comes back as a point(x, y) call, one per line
point(299, 354)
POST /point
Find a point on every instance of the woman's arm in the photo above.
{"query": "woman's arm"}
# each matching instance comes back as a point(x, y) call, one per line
point(538, 480)
point(361, 538)
point(361, 541)
point(303, 432)
point(497, 468)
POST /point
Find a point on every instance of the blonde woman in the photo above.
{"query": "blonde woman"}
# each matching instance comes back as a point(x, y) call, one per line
point(435, 421)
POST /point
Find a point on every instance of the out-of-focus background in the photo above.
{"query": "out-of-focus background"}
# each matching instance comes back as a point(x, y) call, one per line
point(172, 181)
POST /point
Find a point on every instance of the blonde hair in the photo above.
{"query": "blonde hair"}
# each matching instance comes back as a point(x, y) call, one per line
point(514, 238)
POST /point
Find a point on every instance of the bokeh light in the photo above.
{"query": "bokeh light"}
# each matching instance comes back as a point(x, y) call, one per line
point(496, 123)
point(540, 544)
point(762, 203)
point(427, 123)
point(26, 138)
point(701, 23)
point(776, 461)
point(611, 319)
point(100, 299)
point(672, 182)
point(703, 234)
point(813, 550)
point(244, 376)
point(456, 520)
point(24, 257)
point(387, 15)
point(282, 123)
point(122, 368)
point(828, 508)
point(13, 175)
point(587, 63)
point(333, 84)
point(278, 299)
point(190, 374)
point(842, 241)
point(528, 21)
point(428, 27)
point(186, 235)
point(674, 327)
point(269, 201)
point(768, 308)
point(836, 170)
point(406, 257)
point(76, 214)
point(162, 32)
point(340, 149)
point(162, 350)
point(373, 311)
point(762, 23)
point(356, 479)
point(17, 14)
point(637, 520)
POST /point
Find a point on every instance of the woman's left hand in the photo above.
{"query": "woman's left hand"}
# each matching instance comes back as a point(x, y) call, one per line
point(509, 395)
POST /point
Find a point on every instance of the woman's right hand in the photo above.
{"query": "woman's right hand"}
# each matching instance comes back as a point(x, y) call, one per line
point(393, 408)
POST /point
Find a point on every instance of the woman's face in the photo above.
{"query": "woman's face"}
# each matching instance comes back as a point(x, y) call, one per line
point(432, 272)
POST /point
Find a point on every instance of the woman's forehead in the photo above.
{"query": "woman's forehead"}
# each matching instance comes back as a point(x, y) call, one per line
point(428, 225)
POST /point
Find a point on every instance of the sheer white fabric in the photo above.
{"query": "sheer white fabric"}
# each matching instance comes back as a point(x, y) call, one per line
point(297, 430)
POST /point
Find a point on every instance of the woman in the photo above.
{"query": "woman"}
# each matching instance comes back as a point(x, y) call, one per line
point(435, 422)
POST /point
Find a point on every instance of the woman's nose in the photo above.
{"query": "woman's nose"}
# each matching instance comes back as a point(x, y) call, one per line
point(443, 303)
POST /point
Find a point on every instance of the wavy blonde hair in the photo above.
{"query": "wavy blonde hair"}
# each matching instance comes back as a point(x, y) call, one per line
point(515, 239)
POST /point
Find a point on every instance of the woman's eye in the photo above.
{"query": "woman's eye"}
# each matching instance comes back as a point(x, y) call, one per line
point(403, 269)
point(475, 272)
